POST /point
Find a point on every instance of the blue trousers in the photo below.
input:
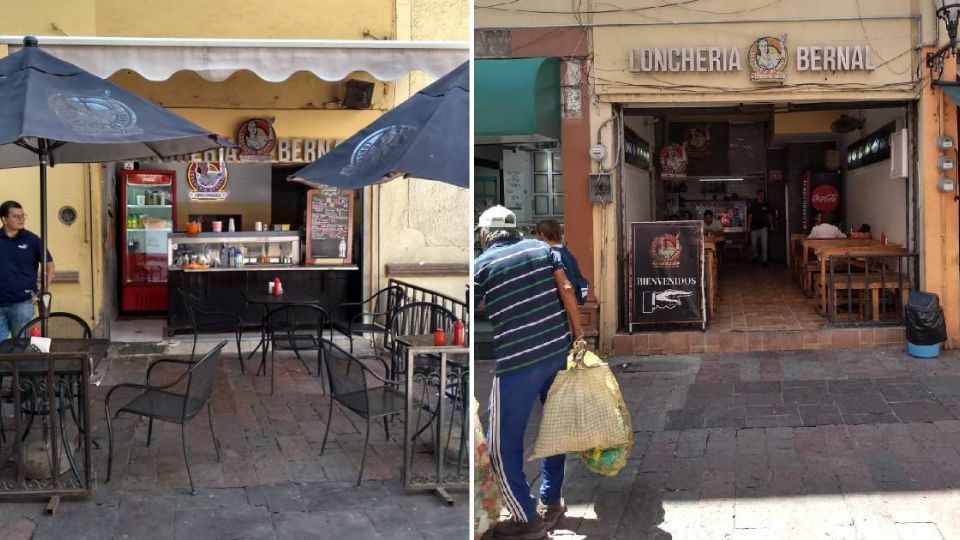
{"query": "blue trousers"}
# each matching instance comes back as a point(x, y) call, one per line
point(511, 402)
point(14, 317)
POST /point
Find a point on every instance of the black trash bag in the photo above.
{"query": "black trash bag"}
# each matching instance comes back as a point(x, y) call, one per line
point(925, 325)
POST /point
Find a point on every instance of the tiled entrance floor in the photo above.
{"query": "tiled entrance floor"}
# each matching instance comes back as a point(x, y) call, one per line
point(758, 309)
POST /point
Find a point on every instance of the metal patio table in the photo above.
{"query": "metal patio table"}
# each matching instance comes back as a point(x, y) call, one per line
point(71, 362)
point(270, 302)
point(417, 345)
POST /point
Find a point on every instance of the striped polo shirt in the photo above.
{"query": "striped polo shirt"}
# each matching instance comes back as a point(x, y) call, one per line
point(515, 280)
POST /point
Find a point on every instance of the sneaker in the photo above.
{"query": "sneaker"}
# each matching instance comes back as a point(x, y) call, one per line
point(552, 514)
point(509, 529)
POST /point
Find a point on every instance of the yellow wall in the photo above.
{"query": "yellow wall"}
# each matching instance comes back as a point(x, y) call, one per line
point(804, 122)
point(71, 246)
point(49, 17)
point(299, 105)
point(940, 247)
point(889, 27)
point(289, 19)
point(420, 220)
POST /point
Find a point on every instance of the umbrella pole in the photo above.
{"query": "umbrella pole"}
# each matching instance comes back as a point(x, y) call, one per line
point(41, 303)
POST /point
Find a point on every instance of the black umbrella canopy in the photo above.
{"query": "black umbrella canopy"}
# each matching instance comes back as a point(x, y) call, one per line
point(83, 118)
point(52, 112)
point(426, 136)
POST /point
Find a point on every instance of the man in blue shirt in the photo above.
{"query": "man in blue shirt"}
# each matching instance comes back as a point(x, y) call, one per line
point(20, 257)
point(530, 303)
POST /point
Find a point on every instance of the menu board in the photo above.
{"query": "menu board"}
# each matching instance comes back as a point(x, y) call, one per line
point(330, 226)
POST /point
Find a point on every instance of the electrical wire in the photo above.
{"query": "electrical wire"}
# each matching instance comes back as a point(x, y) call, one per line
point(499, 7)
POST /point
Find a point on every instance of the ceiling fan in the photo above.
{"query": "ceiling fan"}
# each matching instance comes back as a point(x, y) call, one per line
point(846, 124)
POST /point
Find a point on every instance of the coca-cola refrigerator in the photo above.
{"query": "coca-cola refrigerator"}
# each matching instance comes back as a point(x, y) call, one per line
point(822, 192)
point(149, 204)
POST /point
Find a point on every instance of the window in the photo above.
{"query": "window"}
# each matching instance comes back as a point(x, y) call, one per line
point(547, 185)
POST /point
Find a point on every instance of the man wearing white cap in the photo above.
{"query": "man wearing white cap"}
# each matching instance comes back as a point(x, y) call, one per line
point(531, 304)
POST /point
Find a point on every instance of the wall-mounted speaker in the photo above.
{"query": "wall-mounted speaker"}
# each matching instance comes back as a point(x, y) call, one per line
point(358, 94)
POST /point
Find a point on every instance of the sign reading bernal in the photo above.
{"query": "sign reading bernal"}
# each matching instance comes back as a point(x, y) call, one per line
point(667, 279)
point(766, 57)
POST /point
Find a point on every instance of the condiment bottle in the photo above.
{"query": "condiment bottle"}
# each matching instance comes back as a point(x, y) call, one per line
point(439, 337)
point(276, 285)
point(883, 238)
point(458, 333)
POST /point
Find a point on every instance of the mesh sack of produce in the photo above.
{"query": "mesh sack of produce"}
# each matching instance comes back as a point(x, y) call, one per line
point(486, 501)
point(584, 408)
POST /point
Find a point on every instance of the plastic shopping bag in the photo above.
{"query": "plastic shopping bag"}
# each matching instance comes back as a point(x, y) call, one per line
point(606, 461)
point(486, 501)
point(584, 408)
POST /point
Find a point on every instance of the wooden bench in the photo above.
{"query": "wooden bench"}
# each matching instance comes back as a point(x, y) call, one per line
point(809, 266)
point(893, 280)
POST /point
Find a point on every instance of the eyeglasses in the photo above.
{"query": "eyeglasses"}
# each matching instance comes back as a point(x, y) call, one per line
point(17, 216)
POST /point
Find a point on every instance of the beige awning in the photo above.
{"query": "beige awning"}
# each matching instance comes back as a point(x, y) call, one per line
point(273, 60)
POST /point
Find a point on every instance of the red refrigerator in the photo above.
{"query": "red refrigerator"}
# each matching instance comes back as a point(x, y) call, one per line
point(149, 200)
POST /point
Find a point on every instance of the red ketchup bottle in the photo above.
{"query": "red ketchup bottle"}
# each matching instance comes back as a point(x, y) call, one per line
point(276, 285)
point(458, 333)
point(34, 331)
point(439, 337)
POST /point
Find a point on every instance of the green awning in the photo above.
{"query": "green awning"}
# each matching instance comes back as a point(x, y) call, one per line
point(516, 100)
point(953, 92)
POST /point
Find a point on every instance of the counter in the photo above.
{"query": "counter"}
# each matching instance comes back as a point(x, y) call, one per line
point(222, 282)
point(223, 287)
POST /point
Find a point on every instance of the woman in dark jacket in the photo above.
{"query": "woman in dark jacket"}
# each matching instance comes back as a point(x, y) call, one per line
point(549, 231)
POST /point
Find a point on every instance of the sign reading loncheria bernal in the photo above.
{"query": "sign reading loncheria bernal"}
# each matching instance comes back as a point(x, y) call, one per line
point(667, 279)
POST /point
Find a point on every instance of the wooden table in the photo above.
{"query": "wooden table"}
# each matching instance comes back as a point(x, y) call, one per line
point(811, 245)
point(711, 272)
point(825, 253)
point(417, 345)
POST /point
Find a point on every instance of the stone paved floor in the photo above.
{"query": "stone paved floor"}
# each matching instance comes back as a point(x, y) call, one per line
point(857, 444)
point(271, 483)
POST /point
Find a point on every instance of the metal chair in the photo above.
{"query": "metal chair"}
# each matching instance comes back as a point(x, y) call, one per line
point(296, 327)
point(157, 402)
point(212, 318)
point(350, 388)
point(62, 325)
point(381, 306)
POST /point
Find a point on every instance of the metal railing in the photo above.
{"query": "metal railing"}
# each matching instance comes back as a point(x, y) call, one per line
point(415, 293)
point(46, 450)
point(871, 289)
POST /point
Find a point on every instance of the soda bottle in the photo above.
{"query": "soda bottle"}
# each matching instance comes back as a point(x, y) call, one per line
point(458, 333)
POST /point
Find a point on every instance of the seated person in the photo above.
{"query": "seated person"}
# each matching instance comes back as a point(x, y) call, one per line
point(825, 229)
point(711, 225)
point(686, 215)
point(673, 217)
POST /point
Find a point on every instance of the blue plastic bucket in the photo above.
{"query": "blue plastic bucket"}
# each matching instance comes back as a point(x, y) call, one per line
point(923, 351)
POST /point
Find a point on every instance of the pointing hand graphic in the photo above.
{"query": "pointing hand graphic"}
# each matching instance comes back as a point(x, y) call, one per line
point(670, 297)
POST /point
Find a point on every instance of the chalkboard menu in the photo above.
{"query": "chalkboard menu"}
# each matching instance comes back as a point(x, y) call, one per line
point(329, 226)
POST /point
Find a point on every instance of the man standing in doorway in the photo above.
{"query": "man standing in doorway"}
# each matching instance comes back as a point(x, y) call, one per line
point(760, 221)
point(20, 258)
point(530, 302)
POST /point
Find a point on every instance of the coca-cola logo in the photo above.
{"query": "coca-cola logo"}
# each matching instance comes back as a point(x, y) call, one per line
point(825, 198)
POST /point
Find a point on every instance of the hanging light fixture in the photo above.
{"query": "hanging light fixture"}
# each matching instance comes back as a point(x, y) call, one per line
point(950, 15)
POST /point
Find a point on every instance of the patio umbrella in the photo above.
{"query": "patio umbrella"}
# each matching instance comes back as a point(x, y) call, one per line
point(426, 136)
point(54, 112)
